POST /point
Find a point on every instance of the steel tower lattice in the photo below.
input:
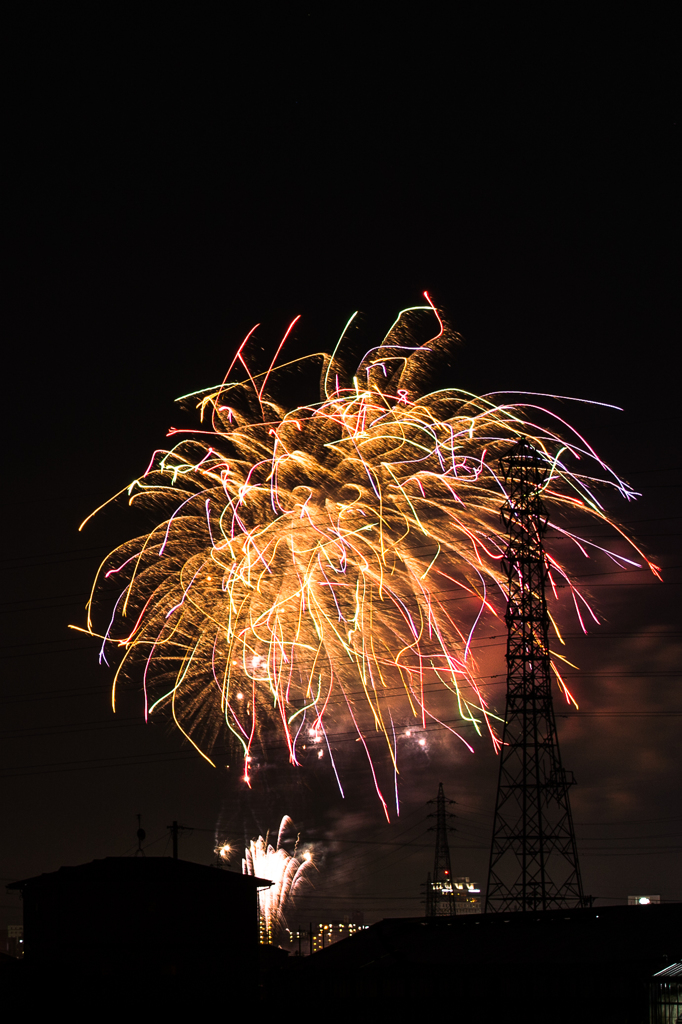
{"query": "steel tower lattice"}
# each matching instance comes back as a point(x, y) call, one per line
point(440, 895)
point(533, 857)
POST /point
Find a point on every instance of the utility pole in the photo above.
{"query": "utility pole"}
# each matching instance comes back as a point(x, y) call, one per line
point(533, 857)
point(141, 836)
point(440, 896)
point(174, 829)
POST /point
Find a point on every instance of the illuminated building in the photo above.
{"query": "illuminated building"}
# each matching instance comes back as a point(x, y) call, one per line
point(12, 940)
point(666, 995)
point(467, 895)
point(324, 934)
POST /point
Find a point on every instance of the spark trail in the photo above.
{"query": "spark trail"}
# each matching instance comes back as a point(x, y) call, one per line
point(323, 567)
point(284, 870)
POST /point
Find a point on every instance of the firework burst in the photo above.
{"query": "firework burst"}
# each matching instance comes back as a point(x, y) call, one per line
point(286, 872)
point(326, 565)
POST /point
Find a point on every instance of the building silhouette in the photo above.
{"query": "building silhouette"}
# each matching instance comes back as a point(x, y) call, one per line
point(562, 965)
point(125, 921)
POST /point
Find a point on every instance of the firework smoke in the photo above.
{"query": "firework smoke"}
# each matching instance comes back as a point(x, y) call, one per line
point(324, 567)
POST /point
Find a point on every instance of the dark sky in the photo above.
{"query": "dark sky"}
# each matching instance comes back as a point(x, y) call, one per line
point(175, 181)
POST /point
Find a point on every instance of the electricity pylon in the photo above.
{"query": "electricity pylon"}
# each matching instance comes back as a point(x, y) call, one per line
point(533, 857)
point(440, 895)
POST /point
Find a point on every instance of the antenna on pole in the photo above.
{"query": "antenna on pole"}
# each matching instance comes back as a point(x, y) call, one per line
point(440, 896)
point(533, 857)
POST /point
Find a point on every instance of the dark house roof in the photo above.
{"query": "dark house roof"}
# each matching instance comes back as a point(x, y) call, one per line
point(135, 868)
point(151, 910)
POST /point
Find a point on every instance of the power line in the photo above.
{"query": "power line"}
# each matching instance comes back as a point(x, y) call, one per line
point(68, 728)
point(86, 554)
point(627, 821)
point(70, 600)
point(476, 645)
point(40, 560)
point(91, 767)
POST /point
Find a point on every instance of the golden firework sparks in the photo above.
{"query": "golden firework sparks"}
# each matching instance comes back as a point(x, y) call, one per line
point(328, 563)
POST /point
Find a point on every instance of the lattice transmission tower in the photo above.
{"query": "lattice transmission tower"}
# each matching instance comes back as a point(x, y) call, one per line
point(440, 893)
point(533, 858)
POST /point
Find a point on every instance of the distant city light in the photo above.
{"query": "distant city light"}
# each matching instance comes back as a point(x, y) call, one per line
point(643, 901)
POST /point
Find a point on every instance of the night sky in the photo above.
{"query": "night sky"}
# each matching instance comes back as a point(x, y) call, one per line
point(174, 182)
